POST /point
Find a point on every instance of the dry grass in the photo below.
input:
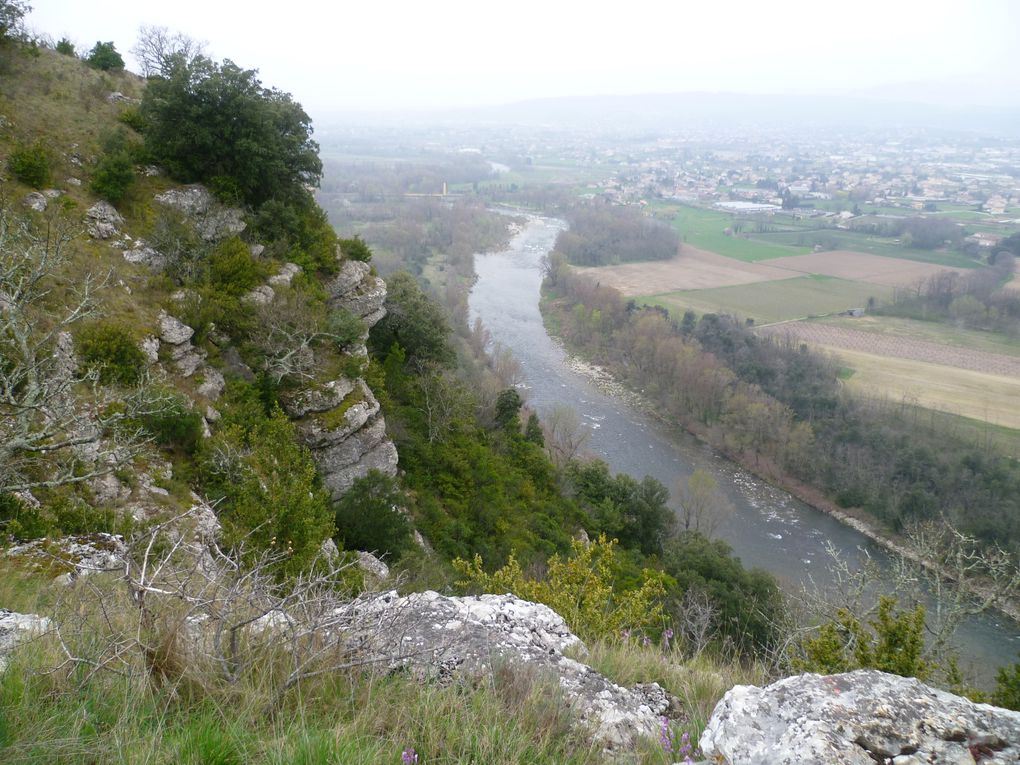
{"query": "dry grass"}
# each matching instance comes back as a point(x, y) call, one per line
point(696, 269)
point(978, 395)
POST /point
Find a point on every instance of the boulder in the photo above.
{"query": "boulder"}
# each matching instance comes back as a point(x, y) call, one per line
point(351, 274)
point(84, 555)
point(16, 628)
point(285, 275)
point(141, 254)
point(173, 330)
point(857, 718)
point(35, 201)
point(261, 295)
point(150, 347)
point(443, 638)
point(314, 430)
point(339, 475)
point(374, 569)
point(213, 221)
point(213, 384)
point(102, 221)
point(188, 359)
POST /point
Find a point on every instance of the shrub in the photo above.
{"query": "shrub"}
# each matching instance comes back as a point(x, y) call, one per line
point(115, 171)
point(132, 117)
point(266, 483)
point(355, 249)
point(111, 350)
point(30, 164)
point(580, 589)
point(20, 520)
point(104, 56)
point(298, 230)
point(368, 516)
point(345, 327)
point(174, 425)
point(233, 269)
point(65, 46)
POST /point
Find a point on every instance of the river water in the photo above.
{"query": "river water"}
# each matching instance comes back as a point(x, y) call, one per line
point(768, 528)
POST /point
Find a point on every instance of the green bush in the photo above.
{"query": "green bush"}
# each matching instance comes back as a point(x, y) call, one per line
point(104, 56)
point(115, 171)
point(298, 230)
point(345, 327)
point(233, 269)
point(355, 249)
point(65, 46)
point(20, 520)
point(30, 164)
point(133, 118)
point(368, 516)
point(111, 350)
point(174, 426)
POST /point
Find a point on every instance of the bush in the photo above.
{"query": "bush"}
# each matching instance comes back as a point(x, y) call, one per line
point(111, 350)
point(174, 425)
point(355, 249)
point(299, 231)
point(115, 171)
point(368, 516)
point(65, 46)
point(104, 56)
point(20, 520)
point(345, 327)
point(132, 117)
point(233, 269)
point(30, 164)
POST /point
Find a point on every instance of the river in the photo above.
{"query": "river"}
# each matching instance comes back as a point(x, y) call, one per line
point(768, 527)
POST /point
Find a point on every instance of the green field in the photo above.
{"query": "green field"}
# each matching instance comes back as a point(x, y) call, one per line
point(705, 229)
point(930, 331)
point(768, 302)
point(836, 239)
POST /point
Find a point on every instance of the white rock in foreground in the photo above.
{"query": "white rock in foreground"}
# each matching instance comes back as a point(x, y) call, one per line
point(444, 637)
point(16, 628)
point(857, 718)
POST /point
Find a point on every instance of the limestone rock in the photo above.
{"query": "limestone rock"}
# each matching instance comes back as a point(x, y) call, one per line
point(144, 255)
point(213, 221)
point(320, 398)
point(102, 221)
point(16, 628)
point(338, 477)
point(261, 295)
point(53, 193)
point(116, 97)
point(188, 359)
point(73, 181)
point(351, 274)
point(35, 201)
point(86, 554)
point(443, 638)
point(329, 550)
point(150, 347)
point(285, 275)
point(173, 330)
point(374, 569)
point(213, 384)
point(857, 718)
point(108, 490)
point(314, 433)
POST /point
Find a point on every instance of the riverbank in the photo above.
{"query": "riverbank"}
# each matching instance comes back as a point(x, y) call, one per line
point(603, 379)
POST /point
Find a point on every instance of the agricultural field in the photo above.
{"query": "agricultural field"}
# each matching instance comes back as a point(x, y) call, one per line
point(975, 395)
point(928, 331)
point(773, 301)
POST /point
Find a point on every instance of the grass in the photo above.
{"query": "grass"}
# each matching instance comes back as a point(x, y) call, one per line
point(836, 239)
point(930, 331)
point(705, 229)
point(767, 302)
point(975, 395)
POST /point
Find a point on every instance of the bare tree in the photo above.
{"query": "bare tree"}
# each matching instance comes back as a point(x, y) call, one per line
point(565, 435)
point(160, 51)
point(442, 399)
point(702, 506)
point(55, 425)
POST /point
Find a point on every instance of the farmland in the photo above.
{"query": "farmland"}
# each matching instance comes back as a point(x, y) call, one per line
point(774, 301)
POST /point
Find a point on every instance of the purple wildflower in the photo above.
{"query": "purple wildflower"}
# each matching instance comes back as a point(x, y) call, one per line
point(409, 756)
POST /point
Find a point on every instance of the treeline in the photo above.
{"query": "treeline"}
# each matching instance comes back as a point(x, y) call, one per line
point(922, 233)
point(377, 180)
point(779, 407)
point(602, 234)
point(974, 300)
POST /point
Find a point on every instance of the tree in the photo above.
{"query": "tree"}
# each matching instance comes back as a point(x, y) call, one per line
point(702, 505)
point(104, 56)
point(414, 322)
point(216, 123)
point(158, 51)
point(370, 516)
point(508, 409)
point(12, 13)
point(565, 436)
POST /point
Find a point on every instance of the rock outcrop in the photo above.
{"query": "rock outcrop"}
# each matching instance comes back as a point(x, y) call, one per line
point(16, 628)
point(213, 221)
point(102, 221)
point(443, 638)
point(339, 420)
point(858, 718)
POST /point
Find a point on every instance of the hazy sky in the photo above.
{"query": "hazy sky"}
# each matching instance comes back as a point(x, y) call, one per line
point(384, 54)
